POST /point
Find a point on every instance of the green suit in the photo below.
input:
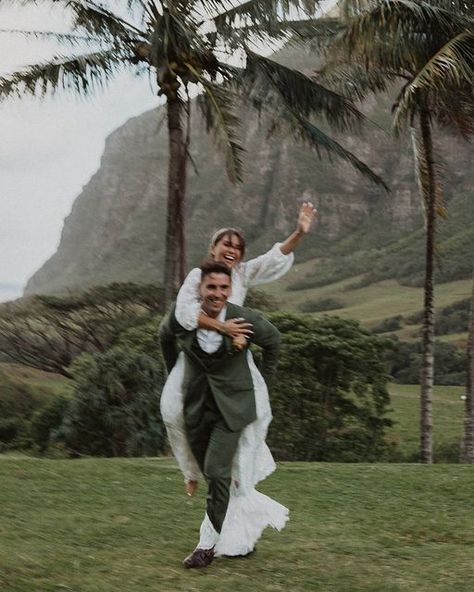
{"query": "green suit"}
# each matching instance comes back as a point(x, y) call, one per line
point(219, 399)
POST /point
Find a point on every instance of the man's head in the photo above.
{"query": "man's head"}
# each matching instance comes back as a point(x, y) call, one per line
point(215, 286)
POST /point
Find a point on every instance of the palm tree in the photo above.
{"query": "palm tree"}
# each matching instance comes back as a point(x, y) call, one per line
point(467, 444)
point(428, 45)
point(183, 45)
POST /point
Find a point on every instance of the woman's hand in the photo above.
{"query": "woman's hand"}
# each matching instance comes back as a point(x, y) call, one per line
point(305, 217)
point(191, 487)
point(236, 327)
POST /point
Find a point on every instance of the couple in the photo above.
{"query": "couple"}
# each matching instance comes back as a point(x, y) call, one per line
point(242, 452)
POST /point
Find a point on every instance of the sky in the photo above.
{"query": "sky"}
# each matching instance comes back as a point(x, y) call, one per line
point(50, 148)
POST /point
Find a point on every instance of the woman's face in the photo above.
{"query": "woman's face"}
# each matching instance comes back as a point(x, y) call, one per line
point(228, 250)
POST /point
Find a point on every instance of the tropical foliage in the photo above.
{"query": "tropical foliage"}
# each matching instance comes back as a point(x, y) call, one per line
point(428, 48)
point(50, 332)
point(115, 408)
point(329, 397)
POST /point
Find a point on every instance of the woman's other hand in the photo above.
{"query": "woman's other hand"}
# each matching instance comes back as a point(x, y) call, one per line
point(235, 327)
point(305, 217)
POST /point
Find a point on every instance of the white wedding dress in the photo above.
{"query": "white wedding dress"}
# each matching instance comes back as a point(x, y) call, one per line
point(249, 511)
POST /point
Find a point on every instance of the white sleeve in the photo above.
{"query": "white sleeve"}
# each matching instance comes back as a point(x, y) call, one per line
point(267, 267)
point(188, 303)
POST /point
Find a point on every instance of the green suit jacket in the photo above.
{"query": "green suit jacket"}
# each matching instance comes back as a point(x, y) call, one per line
point(226, 373)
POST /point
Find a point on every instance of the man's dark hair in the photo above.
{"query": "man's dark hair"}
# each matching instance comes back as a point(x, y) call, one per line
point(210, 266)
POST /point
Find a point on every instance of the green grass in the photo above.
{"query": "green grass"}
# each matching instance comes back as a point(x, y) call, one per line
point(448, 410)
point(124, 526)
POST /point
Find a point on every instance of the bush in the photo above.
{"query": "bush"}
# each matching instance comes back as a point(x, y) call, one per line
point(18, 404)
point(329, 397)
point(261, 301)
point(115, 406)
point(404, 362)
point(321, 305)
point(390, 324)
point(47, 421)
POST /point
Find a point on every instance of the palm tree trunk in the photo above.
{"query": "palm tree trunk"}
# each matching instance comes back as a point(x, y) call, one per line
point(174, 214)
point(183, 183)
point(467, 446)
point(427, 368)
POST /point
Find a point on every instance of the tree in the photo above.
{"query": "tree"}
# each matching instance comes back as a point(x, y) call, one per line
point(115, 409)
point(329, 396)
point(429, 46)
point(467, 445)
point(49, 332)
point(186, 44)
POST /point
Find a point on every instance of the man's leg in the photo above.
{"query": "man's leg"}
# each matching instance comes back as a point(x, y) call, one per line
point(214, 450)
point(218, 471)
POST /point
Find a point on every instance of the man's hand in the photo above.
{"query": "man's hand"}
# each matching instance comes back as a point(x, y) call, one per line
point(239, 342)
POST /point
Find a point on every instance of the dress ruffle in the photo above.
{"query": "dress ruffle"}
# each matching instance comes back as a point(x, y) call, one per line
point(246, 519)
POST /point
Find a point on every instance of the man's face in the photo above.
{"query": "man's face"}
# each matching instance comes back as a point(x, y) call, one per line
point(214, 290)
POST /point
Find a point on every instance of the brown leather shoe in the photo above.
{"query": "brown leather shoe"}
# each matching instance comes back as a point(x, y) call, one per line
point(199, 558)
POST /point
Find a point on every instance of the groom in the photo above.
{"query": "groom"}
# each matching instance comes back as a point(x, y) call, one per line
point(219, 399)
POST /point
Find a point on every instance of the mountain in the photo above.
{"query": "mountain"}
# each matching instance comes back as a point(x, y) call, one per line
point(115, 231)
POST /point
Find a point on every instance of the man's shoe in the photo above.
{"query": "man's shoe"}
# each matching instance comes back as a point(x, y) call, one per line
point(199, 558)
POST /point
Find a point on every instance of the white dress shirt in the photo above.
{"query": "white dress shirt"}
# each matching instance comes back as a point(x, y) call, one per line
point(210, 340)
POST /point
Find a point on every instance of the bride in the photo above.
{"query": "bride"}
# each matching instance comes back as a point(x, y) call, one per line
point(249, 511)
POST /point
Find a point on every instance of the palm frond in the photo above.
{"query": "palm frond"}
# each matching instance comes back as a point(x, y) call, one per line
point(80, 74)
point(62, 38)
point(318, 140)
point(300, 93)
point(255, 12)
point(400, 34)
point(217, 104)
point(456, 110)
point(95, 19)
point(451, 68)
point(353, 80)
point(314, 32)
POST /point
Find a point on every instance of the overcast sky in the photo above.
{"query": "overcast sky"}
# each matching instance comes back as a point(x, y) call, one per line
point(50, 148)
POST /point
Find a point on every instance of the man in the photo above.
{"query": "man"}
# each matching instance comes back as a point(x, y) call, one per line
point(219, 399)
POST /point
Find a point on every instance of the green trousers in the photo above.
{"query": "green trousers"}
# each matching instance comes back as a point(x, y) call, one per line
point(214, 445)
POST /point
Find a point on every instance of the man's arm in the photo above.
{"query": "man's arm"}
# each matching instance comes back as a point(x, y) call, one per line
point(167, 339)
point(268, 338)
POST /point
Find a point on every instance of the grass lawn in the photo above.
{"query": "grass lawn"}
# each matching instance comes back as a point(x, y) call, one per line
point(99, 525)
point(448, 411)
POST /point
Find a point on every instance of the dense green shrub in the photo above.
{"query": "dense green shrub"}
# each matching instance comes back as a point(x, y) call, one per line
point(321, 305)
point(46, 421)
point(390, 324)
point(329, 397)
point(450, 319)
point(404, 362)
point(50, 332)
point(261, 301)
point(18, 403)
point(115, 406)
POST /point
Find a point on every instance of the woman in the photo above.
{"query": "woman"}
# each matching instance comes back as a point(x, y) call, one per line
point(249, 511)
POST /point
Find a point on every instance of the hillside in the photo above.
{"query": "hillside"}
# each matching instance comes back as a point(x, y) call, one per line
point(116, 227)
